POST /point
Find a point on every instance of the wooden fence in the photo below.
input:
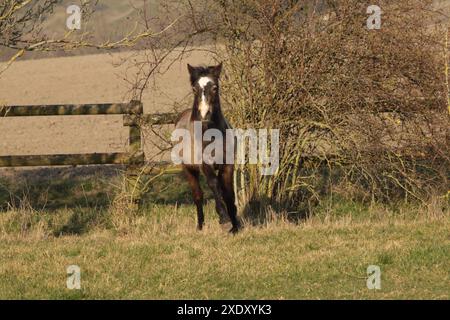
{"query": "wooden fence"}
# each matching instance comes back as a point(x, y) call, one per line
point(133, 117)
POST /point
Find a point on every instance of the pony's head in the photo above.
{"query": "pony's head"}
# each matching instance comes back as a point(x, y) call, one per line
point(205, 84)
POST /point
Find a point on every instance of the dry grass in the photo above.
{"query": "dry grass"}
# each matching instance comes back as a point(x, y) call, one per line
point(163, 256)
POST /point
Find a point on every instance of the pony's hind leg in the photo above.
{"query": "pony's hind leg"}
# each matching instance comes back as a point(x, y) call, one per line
point(226, 182)
point(192, 176)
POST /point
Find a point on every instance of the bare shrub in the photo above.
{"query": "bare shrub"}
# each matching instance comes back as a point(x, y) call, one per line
point(366, 108)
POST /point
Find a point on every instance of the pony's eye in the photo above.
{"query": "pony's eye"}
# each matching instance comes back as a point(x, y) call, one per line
point(214, 88)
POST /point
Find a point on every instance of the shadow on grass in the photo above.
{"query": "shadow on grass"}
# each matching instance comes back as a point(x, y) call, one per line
point(82, 221)
point(83, 188)
point(173, 189)
point(263, 210)
point(87, 192)
point(58, 187)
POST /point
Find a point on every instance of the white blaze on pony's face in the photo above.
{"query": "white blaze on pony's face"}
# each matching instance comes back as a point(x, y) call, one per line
point(204, 107)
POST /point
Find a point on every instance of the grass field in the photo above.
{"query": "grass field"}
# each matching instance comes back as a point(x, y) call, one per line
point(160, 255)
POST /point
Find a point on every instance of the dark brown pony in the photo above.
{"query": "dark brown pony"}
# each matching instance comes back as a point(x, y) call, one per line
point(207, 111)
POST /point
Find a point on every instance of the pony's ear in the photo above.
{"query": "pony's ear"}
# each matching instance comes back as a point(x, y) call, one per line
point(216, 70)
point(191, 69)
point(193, 73)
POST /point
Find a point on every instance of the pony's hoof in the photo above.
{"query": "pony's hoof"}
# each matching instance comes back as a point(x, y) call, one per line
point(199, 228)
point(234, 229)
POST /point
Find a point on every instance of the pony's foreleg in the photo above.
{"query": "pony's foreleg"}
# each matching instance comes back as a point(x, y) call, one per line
point(192, 176)
point(226, 182)
point(213, 183)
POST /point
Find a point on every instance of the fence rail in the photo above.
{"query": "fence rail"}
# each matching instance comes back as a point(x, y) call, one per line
point(132, 110)
point(134, 107)
point(68, 159)
point(150, 119)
